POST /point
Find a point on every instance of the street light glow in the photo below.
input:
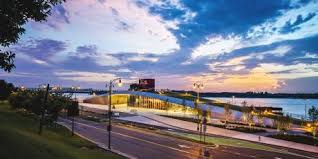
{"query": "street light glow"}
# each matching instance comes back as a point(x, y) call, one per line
point(120, 84)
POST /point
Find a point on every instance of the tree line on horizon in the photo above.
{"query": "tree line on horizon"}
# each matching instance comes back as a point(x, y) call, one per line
point(253, 94)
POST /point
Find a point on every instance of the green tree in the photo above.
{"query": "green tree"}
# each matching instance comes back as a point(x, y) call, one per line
point(6, 89)
point(56, 103)
point(260, 117)
point(184, 107)
point(248, 116)
point(283, 123)
point(14, 14)
point(227, 112)
point(313, 114)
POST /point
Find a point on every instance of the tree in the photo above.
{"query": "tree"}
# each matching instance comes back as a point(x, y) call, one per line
point(6, 89)
point(260, 117)
point(184, 107)
point(283, 122)
point(313, 114)
point(14, 14)
point(244, 103)
point(248, 116)
point(227, 112)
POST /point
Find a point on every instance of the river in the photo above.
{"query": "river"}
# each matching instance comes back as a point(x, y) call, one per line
point(293, 106)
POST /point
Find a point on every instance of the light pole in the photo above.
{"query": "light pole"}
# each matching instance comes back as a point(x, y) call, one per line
point(305, 109)
point(233, 98)
point(109, 127)
point(44, 107)
point(198, 86)
point(74, 89)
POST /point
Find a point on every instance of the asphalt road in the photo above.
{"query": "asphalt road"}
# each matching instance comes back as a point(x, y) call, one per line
point(149, 145)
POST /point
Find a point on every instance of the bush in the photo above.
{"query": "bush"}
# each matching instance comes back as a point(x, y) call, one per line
point(296, 138)
point(240, 128)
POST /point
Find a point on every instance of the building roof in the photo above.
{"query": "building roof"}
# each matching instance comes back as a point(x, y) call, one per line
point(174, 100)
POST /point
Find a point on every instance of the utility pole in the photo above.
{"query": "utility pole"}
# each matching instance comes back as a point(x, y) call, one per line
point(44, 107)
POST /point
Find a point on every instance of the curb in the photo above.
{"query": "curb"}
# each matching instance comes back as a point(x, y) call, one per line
point(99, 144)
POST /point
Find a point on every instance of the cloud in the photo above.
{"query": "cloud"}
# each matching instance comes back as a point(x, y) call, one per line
point(81, 76)
point(169, 9)
point(279, 51)
point(173, 41)
point(280, 71)
point(265, 33)
point(300, 85)
point(142, 58)
point(311, 55)
point(238, 63)
point(216, 46)
point(40, 62)
point(121, 70)
point(270, 31)
point(42, 49)
point(58, 18)
point(292, 27)
point(114, 25)
point(252, 81)
point(91, 52)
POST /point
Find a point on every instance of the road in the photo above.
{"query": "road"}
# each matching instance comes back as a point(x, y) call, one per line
point(149, 145)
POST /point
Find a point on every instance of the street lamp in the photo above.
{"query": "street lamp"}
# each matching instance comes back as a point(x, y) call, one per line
point(198, 86)
point(44, 107)
point(111, 85)
point(233, 99)
point(74, 89)
point(305, 109)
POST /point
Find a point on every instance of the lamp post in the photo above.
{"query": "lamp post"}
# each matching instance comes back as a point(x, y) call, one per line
point(198, 86)
point(74, 89)
point(233, 99)
point(109, 127)
point(305, 109)
point(44, 107)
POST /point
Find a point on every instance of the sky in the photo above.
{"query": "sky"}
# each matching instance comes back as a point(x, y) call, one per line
point(228, 45)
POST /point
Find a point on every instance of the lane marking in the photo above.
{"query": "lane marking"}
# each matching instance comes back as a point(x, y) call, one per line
point(184, 146)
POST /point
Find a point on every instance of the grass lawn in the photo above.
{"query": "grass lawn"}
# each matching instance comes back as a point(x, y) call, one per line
point(228, 142)
point(19, 140)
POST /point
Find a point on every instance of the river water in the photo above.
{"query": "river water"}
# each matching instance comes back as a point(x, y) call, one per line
point(293, 106)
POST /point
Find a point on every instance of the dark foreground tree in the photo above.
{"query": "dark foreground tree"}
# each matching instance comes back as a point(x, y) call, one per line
point(13, 15)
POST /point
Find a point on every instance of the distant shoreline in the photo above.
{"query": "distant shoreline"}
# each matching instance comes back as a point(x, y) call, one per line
point(255, 95)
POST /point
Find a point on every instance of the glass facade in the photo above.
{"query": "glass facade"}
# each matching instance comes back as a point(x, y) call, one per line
point(151, 103)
